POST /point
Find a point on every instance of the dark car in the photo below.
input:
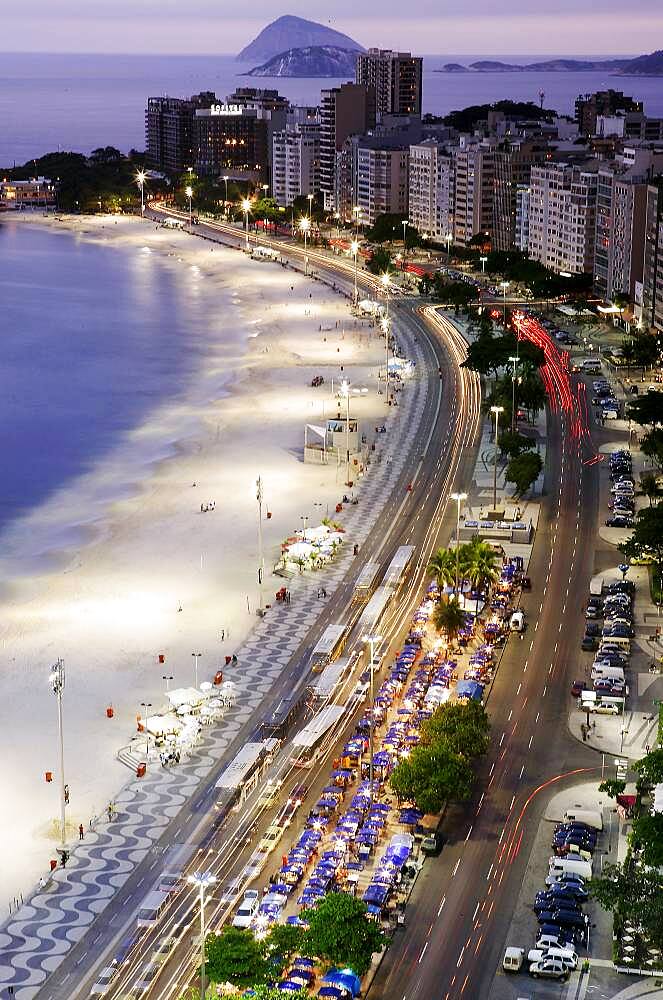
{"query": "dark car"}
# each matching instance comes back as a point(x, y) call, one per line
point(594, 611)
point(592, 628)
point(577, 688)
point(589, 643)
point(570, 888)
point(619, 522)
point(432, 843)
point(619, 632)
point(563, 935)
point(622, 587)
point(549, 900)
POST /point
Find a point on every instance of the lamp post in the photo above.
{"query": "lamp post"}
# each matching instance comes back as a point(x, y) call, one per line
point(246, 208)
point(304, 226)
point(310, 204)
point(188, 190)
point(354, 250)
point(405, 224)
point(140, 181)
point(373, 641)
point(225, 204)
point(448, 239)
point(496, 410)
point(514, 362)
point(202, 881)
point(458, 497)
point(504, 285)
point(57, 679)
point(146, 705)
point(195, 668)
point(384, 278)
point(167, 678)
point(345, 391)
point(483, 264)
point(261, 558)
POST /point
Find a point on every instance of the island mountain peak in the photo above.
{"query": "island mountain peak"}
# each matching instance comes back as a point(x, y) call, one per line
point(291, 32)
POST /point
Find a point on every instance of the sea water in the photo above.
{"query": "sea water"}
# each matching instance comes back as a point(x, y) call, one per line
point(80, 102)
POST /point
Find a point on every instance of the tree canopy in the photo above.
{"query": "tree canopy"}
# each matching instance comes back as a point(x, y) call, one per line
point(340, 932)
point(449, 617)
point(635, 891)
point(234, 956)
point(524, 470)
point(646, 542)
point(647, 408)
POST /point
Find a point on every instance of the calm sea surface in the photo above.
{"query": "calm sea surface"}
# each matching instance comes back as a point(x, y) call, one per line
point(80, 102)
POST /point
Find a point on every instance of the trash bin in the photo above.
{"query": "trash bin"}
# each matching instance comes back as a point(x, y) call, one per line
point(110, 712)
point(162, 658)
point(228, 659)
point(54, 864)
point(218, 677)
point(48, 775)
point(140, 770)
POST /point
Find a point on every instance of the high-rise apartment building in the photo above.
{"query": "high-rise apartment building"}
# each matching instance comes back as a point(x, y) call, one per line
point(474, 172)
point(229, 139)
point(431, 189)
point(344, 111)
point(513, 164)
point(521, 234)
point(396, 78)
point(295, 163)
point(603, 102)
point(562, 216)
point(169, 130)
point(652, 292)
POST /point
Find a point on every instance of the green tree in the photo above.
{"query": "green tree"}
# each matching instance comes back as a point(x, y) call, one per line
point(449, 617)
point(264, 992)
point(651, 445)
point(647, 409)
point(635, 891)
point(650, 768)
point(442, 566)
point(524, 470)
point(612, 787)
point(462, 727)
point(628, 353)
point(480, 564)
point(646, 542)
point(387, 227)
point(234, 956)
point(340, 932)
point(531, 393)
point(513, 444)
point(649, 487)
point(646, 350)
point(282, 942)
point(648, 834)
point(431, 776)
point(380, 261)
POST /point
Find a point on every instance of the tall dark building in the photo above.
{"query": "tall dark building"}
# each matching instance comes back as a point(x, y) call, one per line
point(344, 111)
point(513, 166)
point(652, 313)
point(396, 77)
point(229, 139)
point(169, 130)
point(603, 102)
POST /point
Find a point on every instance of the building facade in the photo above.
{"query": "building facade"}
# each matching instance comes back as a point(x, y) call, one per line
point(396, 79)
point(295, 163)
point(652, 291)
point(38, 192)
point(513, 165)
point(169, 130)
point(431, 189)
point(381, 180)
point(232, 140)
point(474, 172)
point(562, 216)
point(344, 111)
point(604, 102)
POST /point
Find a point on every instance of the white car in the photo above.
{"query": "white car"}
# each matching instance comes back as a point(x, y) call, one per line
point(103, 983)
point(517, 623)
point(272, 836)
point(549, 968)
point(567, 956)
point(247, 909)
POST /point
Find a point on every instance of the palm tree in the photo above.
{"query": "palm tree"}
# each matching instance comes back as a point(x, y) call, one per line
point(442, 566)
point(481, 570)
point(449, 617)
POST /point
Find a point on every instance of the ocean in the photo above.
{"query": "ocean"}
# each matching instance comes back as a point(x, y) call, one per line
point(80, 102)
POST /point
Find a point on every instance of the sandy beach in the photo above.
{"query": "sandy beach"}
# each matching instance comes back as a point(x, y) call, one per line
point(109, 604)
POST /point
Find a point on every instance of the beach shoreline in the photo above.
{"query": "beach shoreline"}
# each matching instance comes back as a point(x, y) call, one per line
point(112, 607)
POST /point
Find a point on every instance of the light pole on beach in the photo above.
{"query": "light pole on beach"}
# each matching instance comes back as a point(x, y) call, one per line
point(304, 226)
point(195, 657)
point(246, 207)
point(385, 279)
point(373, 641)
point(345, 391)
point(56, 677)
point(225, 204)
point(146, 705)
point(261, 558)
point(496, 410)
point(140, 181)
point(188, 190)
point(354, 250)
point(167, 678)
point(202, 881)
point(458, 497)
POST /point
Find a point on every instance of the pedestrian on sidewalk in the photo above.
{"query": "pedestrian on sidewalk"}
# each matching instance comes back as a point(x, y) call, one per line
point(81, 831)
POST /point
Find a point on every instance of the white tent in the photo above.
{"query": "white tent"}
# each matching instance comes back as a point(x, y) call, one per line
point(162, 725)
point(185, 696)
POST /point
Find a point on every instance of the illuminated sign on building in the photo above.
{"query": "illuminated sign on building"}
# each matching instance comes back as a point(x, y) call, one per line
point(226, 109)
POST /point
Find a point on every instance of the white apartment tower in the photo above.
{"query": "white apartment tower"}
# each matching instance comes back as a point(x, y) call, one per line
point(431, 189)
point(295, 163)
point(562, 216)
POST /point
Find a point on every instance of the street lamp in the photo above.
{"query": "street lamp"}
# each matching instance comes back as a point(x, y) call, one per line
point(405, 225)
point(261, 558)
point(188, 190)
point(373, 641)
point(345, 391)
point(496, 410)
point(483, 264)
point(140, 181)
point(515, 362)
point(458, 497)
point(146, 705)
point(304, 226)
point(354, 250)
point(202, 881)
point(225, 204)
point(448, 239)
point(385, 279)
point(195, 660)
point(56, 678)
point(246, 207)
point(167, 678)
point(310, 203)
point(504, 285)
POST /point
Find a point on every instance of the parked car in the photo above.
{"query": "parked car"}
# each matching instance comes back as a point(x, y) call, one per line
point(619, 522)
point(589, 643)
point(549, 968)
point(577, 688)
point(247, 909)
point(104, 981)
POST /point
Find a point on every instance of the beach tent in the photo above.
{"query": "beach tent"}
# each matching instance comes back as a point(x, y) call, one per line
point(346, 979)
point(162, 725)
point(469, 689)
point(184, 696)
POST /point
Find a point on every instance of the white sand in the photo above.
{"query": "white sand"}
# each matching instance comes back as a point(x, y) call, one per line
point(110, 606)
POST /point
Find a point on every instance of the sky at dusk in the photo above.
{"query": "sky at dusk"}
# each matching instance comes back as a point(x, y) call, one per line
point(454, 27)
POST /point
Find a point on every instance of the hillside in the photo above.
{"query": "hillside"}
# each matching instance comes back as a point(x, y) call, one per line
point(651, 65)
point(548, 66)
point(290, 32)
point(311, 61)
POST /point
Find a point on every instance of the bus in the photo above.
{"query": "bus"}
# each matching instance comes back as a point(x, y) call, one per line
point(331, 677)
point(286, 713)
point(243, 773)
point(328, 647)
point(366, 582)
point(372, 614)
point(397, 567)
point(152, 907)
point(307, 745)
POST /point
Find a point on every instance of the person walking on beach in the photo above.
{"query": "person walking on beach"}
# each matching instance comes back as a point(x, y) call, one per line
point(80, 831)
